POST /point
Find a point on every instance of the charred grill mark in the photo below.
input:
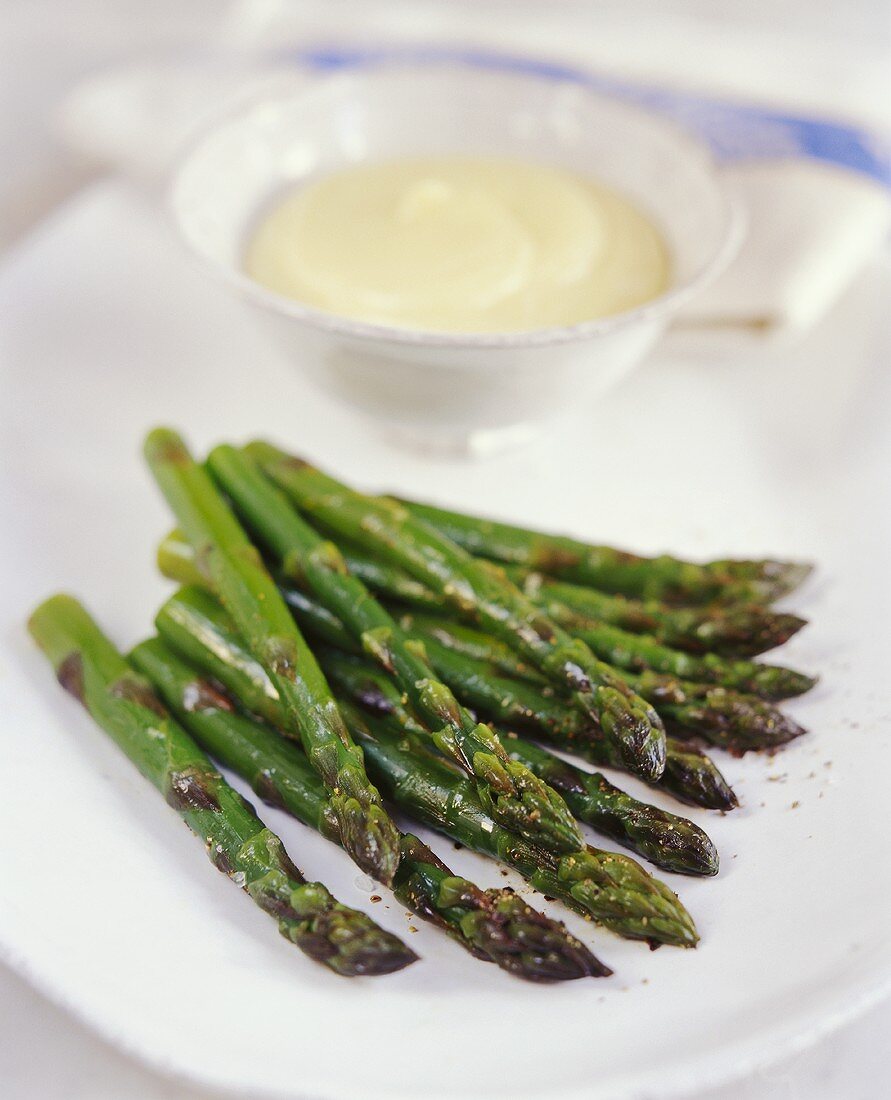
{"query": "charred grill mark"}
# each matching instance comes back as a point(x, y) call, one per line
point(70, 675)
point(288, 866)
point(189, 790)
point(167, 447)
point(201, 695)
point(282, 658)
point(294, 462)
point(413, 848)
point(371, 697)
point(553, 559)
point(133, 689)
point(203, 558)
point(268, 790)
point(219, 857)
point(277, 906)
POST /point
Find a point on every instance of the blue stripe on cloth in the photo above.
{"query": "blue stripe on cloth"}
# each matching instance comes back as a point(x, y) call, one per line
point(732, 131)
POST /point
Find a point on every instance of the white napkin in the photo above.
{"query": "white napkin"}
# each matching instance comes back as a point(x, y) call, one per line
point(811, 228)
point(812, 225)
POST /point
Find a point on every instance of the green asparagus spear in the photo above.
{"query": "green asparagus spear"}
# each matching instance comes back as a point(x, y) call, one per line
point(637, 636)
point(513, 795)
point(742, 630)
point(603, 567)
point(689, 775)
point(737, 721)
point(639, 653)
point(519, 705)
point(608, 887)
point(176, 561)
point(494, 925)
point(232, 567)
point(671, 842)
point(125, 706)
point(639, 639)
point(731, 631)
point(470, 662)
point(481, 590)
point(731, 720)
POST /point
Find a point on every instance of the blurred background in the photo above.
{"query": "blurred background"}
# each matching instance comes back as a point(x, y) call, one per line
point(62, 128)
point(824, 57)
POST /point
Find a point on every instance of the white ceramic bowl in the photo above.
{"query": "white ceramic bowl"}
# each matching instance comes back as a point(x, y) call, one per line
point(445, 389)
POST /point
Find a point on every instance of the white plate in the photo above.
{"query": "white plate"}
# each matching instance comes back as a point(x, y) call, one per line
point(111, 908)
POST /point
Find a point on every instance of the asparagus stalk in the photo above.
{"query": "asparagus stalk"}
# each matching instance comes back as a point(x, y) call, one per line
point(513, 795)
point(661, 578)
point(610, 888)
point(638, 640)
point(690, 776)
point(495, 925)
point(176, 561)
point(731, 720)
point(731, 631)
point(737, 630)
point(482, 591)
point(606, 886)
point(470, 662)
point(239, 845)
point(232, 567)
point(737, 721)
point(641, 653)
point(671, 842)
point(528, 699)
point(637, 637)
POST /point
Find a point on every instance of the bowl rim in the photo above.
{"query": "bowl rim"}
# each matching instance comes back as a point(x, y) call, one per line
point(662, 305)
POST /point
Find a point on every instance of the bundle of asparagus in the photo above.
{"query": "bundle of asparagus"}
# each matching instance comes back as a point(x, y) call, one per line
point(432, 661)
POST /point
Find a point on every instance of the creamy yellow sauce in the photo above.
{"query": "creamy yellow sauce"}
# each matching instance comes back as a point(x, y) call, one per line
point(459, 244)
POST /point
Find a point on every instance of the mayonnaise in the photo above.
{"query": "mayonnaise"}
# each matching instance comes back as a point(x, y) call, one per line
point(459, 244)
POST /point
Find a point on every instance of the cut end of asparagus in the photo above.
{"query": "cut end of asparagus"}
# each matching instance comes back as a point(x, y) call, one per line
point(368, 836)
point(620, 895)
point(528, 944)
point(346, 940)
point(166, 445)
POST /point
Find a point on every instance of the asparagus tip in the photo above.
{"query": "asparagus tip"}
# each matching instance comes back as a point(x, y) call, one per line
point(368, 836)
point(671, 842)
point(345, 940)
point(774, 682)
point(534, 811)
point(528, 944)
point(622, 896)
point(638, 730)
point(789, 575)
